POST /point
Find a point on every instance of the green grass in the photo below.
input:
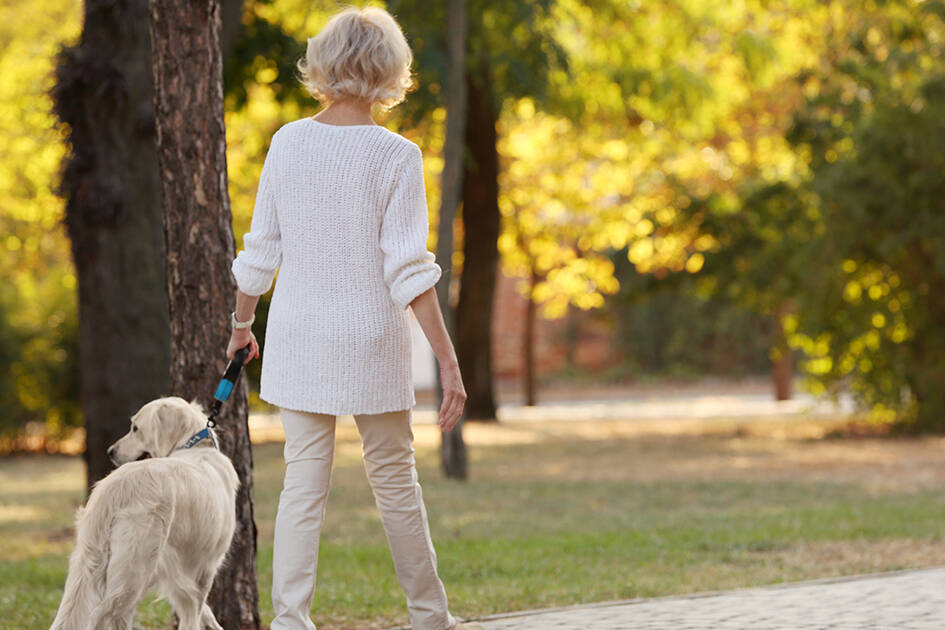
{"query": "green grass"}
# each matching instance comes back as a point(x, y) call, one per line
point(558, 521)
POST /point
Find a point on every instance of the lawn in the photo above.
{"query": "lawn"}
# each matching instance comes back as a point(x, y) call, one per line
point(557, 513)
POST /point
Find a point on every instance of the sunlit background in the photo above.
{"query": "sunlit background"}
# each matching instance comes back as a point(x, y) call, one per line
point(688, 180)
point(697, 196)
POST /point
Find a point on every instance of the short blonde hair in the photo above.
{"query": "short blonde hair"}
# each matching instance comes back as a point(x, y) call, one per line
point(361, 54)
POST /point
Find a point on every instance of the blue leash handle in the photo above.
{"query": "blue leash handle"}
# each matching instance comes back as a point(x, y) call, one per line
point(230, 376)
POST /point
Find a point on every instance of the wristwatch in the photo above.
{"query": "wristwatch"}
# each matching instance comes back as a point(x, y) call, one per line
point(237, 324)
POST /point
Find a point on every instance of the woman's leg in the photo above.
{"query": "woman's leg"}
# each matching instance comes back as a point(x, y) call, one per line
point(387, 443)
point(309, 455)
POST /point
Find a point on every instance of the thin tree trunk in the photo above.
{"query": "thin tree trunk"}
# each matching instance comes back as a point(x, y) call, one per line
point(113, 217)
point(200, 247)
point(782, 368)
point(530, 314)
point(481, 253)
point(573, 336)
point(453, 449)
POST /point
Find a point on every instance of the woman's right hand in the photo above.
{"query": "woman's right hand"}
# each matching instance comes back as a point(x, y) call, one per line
point(426, 307)
point(454, 395)
point(239, 338)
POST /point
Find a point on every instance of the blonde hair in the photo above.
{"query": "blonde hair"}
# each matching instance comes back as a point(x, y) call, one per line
point(361, 54)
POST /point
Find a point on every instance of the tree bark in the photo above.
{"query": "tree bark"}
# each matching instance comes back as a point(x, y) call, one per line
point(113, 217)
point(188, 101)
point(782, 365)
point(452, 448)
point(481, 253)
point(531, 397)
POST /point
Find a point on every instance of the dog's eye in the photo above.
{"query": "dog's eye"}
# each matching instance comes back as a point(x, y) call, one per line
point(134, 428)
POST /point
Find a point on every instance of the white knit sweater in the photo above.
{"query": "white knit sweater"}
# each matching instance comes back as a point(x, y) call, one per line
point(341, 211)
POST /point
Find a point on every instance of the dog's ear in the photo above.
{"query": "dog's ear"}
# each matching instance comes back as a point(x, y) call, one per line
point(170, 427)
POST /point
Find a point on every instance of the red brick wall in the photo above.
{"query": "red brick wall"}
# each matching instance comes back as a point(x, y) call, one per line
point(595, 349)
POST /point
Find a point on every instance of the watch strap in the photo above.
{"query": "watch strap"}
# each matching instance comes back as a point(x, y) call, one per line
point(238, 324)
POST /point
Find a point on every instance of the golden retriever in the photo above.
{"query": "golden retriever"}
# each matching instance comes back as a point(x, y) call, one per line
point(164, 518)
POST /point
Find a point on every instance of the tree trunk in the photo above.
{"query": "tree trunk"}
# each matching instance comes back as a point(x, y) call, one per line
point(452, 449)
point(481, 253)
point(782, 368)
point(113, 217)
point(198, 226)
point(572, 333)
point(530, 313)
point(232, 12)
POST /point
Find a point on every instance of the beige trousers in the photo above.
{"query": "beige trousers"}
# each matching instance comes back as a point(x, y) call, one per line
point(387, 446)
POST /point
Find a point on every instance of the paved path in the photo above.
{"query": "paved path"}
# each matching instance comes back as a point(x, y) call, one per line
point(902, 600)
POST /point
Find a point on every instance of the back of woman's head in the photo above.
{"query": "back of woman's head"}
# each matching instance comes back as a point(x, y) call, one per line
point(360, 54)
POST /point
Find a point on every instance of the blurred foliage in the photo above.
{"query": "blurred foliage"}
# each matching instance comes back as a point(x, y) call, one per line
point(680, 327)
point(676, 102)
point(873, 125)
point(736, 155)
point(552, 201)
point(854, 236)
point(517, 39)
point(38, 375)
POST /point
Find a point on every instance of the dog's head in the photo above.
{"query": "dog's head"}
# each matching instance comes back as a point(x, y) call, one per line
point(157, 429)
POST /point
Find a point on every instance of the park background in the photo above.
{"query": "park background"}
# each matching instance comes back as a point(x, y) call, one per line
point(682, 200)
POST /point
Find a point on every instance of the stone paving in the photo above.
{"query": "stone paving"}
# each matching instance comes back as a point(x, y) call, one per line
point(901, 600)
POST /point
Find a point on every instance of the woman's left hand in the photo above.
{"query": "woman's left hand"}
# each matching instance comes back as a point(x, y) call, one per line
point(239, 338)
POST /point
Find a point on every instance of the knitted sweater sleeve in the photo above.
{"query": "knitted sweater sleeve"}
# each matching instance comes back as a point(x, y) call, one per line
point(255, 267)
point(409, 268)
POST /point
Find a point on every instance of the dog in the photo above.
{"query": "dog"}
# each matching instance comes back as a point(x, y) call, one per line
point(163, 518)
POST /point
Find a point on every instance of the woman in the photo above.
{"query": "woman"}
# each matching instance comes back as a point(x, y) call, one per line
point(341, 212)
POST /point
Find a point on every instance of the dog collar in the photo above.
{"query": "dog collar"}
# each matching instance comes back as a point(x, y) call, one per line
point(199, 437)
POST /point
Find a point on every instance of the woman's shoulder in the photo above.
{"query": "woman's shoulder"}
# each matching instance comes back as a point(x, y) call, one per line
point(374, 133)
point(390, 151)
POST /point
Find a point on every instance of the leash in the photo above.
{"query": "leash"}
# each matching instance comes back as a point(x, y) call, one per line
point(226, 385)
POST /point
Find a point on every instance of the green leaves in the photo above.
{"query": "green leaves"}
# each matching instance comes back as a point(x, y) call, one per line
point(871, 311)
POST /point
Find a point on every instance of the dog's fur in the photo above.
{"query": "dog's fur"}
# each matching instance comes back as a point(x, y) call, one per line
point(166, 522)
